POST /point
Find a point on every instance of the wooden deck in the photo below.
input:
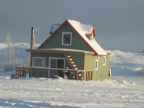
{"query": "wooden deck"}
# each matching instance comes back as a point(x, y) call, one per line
point(79, 74)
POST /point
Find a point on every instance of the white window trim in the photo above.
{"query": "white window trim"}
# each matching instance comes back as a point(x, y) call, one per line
point(38, 57)
point(104, 57)
point(96, 68)
point(70, 38)
point(56, 58)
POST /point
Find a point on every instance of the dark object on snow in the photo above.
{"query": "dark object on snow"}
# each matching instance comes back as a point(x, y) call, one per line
point(13, 76)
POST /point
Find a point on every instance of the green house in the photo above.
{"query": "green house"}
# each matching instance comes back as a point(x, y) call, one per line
point(71, 46)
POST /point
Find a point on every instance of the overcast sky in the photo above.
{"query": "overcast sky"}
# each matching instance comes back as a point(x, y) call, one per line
point(119, 24)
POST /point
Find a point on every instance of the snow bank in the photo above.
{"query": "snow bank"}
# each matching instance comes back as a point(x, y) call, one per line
point(120, 57)
point(127, 60)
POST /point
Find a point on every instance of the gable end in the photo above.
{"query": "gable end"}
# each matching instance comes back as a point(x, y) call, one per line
point(88, 43)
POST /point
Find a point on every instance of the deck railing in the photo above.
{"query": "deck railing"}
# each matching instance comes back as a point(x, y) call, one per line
point(79, 74)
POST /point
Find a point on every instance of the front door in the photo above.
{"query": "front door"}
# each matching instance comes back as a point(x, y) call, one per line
point(58, 63)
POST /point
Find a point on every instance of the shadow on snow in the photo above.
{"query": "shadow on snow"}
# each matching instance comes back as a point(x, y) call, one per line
point(23, 104)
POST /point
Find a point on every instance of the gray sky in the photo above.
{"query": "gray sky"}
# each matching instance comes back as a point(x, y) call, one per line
point(119, 24)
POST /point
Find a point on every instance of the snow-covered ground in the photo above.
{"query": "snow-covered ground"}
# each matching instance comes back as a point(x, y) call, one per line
point(124, 90)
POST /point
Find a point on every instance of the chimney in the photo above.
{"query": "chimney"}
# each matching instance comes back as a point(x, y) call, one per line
point(32, 38)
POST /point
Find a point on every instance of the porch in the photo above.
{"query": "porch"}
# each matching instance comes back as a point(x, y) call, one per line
point(73, 74)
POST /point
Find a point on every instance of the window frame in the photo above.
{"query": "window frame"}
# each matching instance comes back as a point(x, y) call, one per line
point(96, 64)
point(56, 62)
point(104, 59)
point(38, 57)
point(70, 38)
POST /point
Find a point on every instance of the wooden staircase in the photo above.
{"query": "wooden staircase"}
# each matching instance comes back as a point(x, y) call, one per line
point(70, 61)
point(72, 64)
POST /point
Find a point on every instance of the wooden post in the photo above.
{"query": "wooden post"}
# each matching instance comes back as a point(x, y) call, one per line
point(17, 72)
point(70, 75)
point(91, 75)
point(81, 75)
point(76, 75)
point(86, 75)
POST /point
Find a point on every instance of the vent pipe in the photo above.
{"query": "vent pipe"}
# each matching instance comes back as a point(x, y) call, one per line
point(32, 38)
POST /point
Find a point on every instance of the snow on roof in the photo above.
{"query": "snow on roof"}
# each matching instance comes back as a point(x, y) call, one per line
point(83, 29)
point(64, 49)
point(54, 28)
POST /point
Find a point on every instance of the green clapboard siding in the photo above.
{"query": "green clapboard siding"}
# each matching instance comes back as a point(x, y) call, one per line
point(56, 40)
point(78, 60)
point(102, 72)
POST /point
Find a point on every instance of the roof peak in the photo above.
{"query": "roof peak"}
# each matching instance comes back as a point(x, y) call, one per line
point(77, 22)
point(82, 30)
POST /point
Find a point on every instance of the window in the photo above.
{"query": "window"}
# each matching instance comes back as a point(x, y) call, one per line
point(57, 63)
point(39, 61)
point(96, 65)
point(104, 60)
point(66, 38)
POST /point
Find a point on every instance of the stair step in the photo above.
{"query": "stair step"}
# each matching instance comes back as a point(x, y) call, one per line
point(74, 65)
point(71, 62)
point(70, 59)
point(79, 74)
point(68, 56)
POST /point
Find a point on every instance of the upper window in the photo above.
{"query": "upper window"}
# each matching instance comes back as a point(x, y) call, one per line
point(104, 60)
point(39, 61)
point(66, 38)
